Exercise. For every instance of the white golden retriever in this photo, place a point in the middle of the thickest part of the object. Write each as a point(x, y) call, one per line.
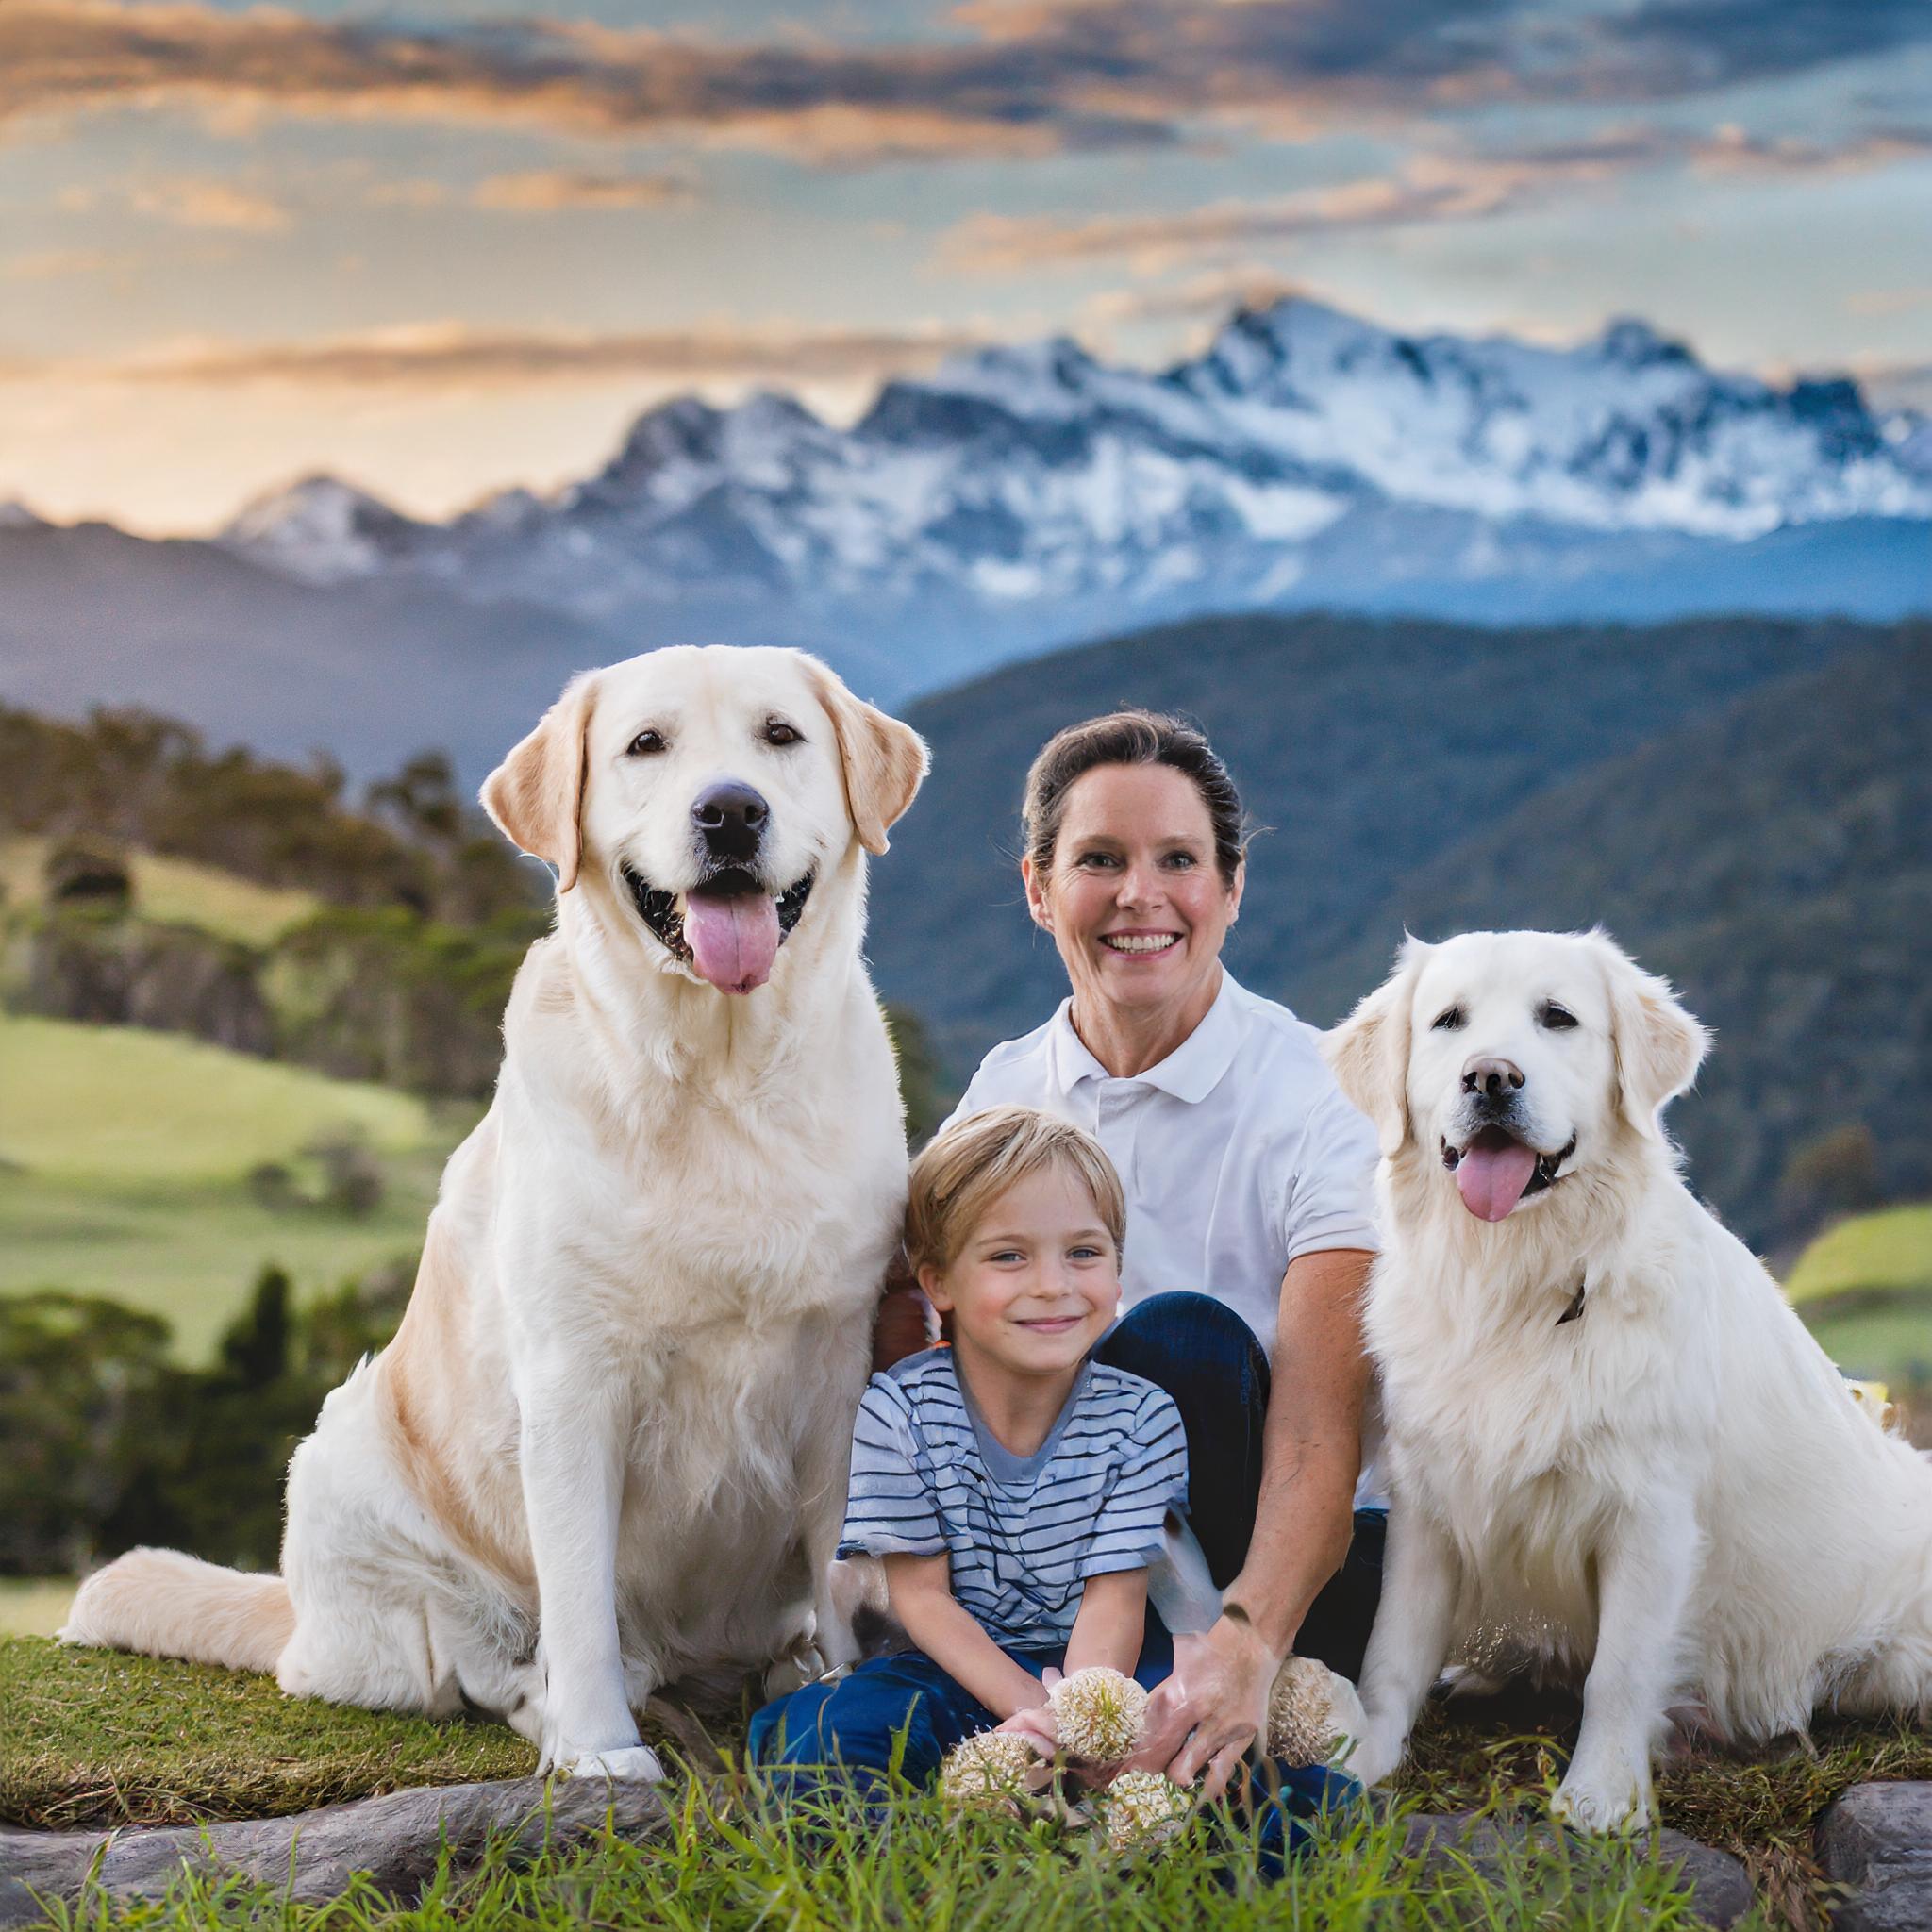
point(1607, 1432)
point(608, 1446)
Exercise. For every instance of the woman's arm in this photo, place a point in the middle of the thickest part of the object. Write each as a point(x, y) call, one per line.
point(922, 1599)
point(1111, 1624)
point(1210, 1710)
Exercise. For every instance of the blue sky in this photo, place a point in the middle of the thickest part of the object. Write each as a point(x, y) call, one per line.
point(452, 246)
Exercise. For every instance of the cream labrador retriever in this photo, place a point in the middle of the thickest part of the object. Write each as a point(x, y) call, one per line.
point(1608, 1434)
point(608, 1446)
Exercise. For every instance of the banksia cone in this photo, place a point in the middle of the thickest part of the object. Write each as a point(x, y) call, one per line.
point(1144, 1808)
point(1099, 1715)
point(987, 1772)
point(1311, 1712)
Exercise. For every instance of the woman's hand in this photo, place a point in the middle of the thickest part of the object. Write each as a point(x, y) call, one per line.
point(1212, 1707)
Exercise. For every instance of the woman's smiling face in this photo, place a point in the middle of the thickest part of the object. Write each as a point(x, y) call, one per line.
point(1136, 903)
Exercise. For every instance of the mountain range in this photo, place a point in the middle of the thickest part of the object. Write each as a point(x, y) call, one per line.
point(1017, 499)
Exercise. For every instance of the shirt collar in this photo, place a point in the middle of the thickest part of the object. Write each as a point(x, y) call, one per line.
point(1190, 1073)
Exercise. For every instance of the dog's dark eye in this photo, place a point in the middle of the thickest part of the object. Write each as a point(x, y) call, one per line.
point(645, 743)
point(778, 732)
point(1449, 1019)
point(1556, 1017)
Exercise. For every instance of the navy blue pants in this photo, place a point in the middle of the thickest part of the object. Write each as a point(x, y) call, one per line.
point(855, 1723)
point(1208, 1359)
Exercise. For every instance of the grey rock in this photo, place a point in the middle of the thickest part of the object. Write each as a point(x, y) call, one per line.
point(395, 1840)
point(1878, 1840)
point(1721, 1890)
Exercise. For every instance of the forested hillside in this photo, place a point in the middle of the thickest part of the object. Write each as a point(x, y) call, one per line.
point(1742, 804)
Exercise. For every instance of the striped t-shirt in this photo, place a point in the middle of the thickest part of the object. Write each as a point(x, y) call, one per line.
point(1023, 1533)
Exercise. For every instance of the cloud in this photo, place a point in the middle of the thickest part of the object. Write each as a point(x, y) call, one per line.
point(429, 356)
point(191, 202)
point(1432, 186)
point(1428, 188)
point(1020, 77)
point(1732, 151)
point(56, 264)
point(545, 190)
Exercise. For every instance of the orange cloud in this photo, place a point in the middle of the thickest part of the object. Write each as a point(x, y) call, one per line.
point(545, 190)
point(458, 354)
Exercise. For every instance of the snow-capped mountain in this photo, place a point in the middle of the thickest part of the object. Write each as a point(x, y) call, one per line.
point(1306, 456)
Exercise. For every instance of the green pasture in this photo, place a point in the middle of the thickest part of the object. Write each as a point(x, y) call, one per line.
point(176, 892)
point(1890, 1250)
point(33, 1605)
point(123, 1165)
point(1864, 1287)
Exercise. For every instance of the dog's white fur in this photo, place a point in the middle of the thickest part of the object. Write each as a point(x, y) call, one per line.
point(608, 1446)
point(1673, 1490)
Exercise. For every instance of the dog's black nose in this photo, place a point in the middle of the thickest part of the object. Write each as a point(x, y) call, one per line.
point(731, 817)
point(1494, 1079)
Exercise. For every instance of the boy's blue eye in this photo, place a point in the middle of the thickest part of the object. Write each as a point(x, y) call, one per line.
point(1008, 1254)
point(1084, 1253)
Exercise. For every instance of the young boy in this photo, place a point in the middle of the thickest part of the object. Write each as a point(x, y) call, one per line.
point(1015, 1491)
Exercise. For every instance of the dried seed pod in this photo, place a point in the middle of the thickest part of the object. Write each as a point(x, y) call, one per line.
point(1144, 1808)
point(1099, 1715)
point(987, 1772)
point(1311, 1713)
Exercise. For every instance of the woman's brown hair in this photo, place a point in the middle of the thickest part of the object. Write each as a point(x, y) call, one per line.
point(1129, 738)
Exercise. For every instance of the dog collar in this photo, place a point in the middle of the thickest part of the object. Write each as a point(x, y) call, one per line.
point(1574, 1310)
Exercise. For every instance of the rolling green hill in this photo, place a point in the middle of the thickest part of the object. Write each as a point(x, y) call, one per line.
point(1745, 805)
point(124, 1163)
point(176, 892)
point(1864, 1287)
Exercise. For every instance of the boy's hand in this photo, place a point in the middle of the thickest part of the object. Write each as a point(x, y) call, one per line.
point(1039, 1725)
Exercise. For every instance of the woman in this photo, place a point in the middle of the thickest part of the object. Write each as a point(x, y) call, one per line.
point(1247, 1181)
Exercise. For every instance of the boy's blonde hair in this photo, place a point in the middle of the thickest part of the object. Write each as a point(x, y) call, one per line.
point(968, 1167)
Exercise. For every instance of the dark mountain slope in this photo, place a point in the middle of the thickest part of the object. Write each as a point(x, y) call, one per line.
point(1564, 772)
point(1775, 860)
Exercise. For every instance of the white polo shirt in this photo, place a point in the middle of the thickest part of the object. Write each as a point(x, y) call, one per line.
point(1237, 1152)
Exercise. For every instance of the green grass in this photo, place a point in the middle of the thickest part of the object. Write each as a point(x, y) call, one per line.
point(91, 1738)
point(122, 1163)
point(176, 891)
point(731, 1859)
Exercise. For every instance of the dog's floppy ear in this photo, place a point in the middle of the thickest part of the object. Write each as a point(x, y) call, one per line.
point(1659, 1047)
point(1368, 1051)
point(537, 794)
point(883, 759)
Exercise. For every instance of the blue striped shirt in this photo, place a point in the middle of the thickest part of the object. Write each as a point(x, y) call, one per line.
point(1023, 1533)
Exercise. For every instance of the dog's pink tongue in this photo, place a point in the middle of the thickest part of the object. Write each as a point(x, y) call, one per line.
point(733, 942)
point(1492, 1174)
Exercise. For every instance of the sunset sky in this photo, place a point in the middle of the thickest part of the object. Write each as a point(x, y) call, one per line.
point(442, 248)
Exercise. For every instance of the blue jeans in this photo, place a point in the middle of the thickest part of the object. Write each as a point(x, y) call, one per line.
point(1208, 1359)
point(854, 1723)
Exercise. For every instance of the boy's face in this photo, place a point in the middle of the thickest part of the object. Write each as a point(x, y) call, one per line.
point(1036, 1282)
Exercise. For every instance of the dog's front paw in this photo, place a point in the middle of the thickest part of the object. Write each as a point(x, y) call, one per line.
point(1375, 1754)
point(1617, 1804)
point(633, 1763)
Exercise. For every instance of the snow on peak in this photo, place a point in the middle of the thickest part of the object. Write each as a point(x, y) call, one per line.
point(1036, 469)
point(320, 529)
